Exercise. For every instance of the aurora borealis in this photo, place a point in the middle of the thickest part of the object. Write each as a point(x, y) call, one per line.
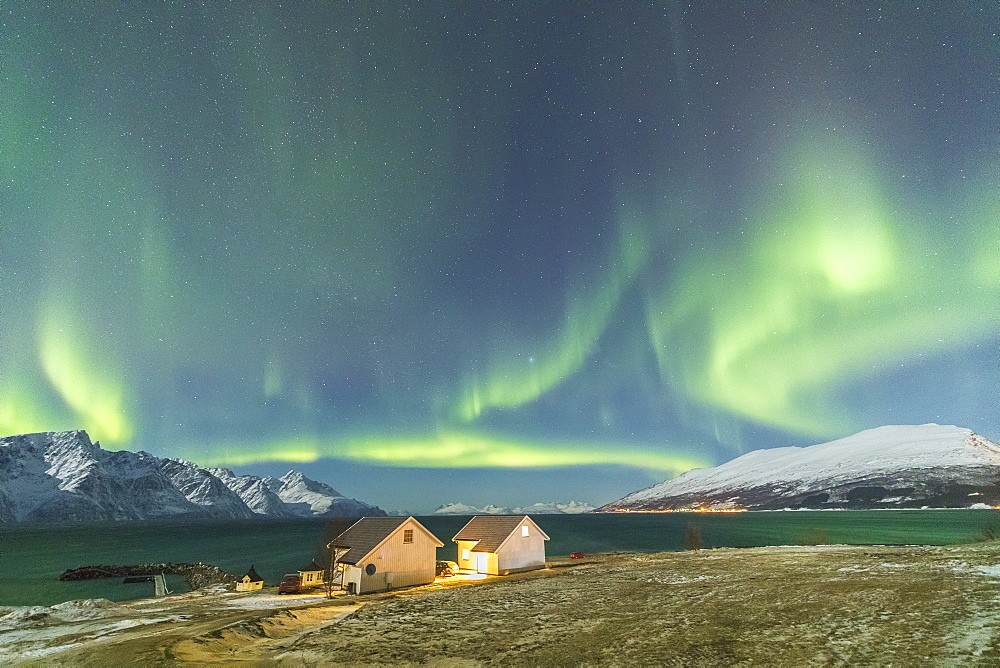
point(506, 253)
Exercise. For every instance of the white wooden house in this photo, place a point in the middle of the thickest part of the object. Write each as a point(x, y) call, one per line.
point(501, 544)
point(382, 553)
point(250, 582)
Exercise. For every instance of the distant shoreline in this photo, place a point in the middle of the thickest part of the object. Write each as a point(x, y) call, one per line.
point(174, 520)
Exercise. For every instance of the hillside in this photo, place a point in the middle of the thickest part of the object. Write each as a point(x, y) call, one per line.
point(889, 467)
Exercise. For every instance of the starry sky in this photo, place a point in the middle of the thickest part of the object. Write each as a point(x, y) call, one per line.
point(496, 252)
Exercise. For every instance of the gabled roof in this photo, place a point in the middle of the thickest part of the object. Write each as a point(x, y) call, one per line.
point(492, 531)
point(252, 576)
point(313, 566)
point(362, 537)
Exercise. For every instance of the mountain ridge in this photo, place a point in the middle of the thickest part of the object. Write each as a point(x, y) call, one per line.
point(65, 477)
point(895, 466)
point(571, 508)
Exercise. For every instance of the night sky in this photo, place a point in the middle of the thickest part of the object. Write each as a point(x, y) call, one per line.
point(496, 252)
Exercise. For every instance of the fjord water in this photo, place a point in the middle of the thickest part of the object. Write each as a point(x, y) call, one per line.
point(32, 557)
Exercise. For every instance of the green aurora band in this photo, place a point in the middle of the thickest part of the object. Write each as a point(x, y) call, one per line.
point(399, 243)
point(834, 282)
point(448, 450)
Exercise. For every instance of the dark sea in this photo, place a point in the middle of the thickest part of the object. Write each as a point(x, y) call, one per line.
point(32, 557)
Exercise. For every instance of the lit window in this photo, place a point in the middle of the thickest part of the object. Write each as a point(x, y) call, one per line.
point(407, 535)
point(524, 530)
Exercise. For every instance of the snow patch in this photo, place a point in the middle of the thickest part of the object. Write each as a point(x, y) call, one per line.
point(269, 601)
point(989, 571)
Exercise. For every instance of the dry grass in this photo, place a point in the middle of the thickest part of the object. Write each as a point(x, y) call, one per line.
point(792, 606)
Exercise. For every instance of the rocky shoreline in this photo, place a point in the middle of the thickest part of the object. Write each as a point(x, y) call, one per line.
point(197, 575)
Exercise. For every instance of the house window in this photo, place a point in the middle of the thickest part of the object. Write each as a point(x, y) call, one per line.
point(465, 555)
point(524, 530)
point(407, 535)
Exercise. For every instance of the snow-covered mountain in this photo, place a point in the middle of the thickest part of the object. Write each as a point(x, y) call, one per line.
point(205, 490)
point(255, 492)
point(64, 477)
point(571, 508)
point(293, 495)
point(309, 498)
point(888, 467)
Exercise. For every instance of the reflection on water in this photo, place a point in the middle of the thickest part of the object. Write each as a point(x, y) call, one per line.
point(33, 557)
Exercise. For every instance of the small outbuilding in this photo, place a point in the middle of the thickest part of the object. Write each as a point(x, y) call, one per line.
point(311, 575)
point(250, 582)
point(382, 553)
point(501, 544)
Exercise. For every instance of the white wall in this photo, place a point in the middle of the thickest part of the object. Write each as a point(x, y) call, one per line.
point(351, 574)
point(521, 553)
point(400, 564)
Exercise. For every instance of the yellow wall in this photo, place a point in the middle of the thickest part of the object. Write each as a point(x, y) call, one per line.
point(467, 564)
point(249, 586)
point(311, 578)
point(490, 559)
point(473, 563)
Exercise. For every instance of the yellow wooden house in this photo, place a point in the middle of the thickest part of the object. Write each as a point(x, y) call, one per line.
point(250, 582)
point(311, 575)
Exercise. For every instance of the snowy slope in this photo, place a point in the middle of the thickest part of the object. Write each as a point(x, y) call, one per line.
point(63, 476)
point(466, 509)
point(255, 493)
point(203, 489)
point(309, 498)
point(916, 465)
point(571, 508)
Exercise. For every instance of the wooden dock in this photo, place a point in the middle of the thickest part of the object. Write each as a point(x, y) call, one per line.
point(160, 585)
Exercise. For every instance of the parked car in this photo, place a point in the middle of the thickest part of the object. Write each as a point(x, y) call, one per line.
point(290, 583)
point(576, 555)
point(446, 568)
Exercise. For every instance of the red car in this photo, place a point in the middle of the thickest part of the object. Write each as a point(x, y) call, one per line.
point(291, 583)
point(576, 555)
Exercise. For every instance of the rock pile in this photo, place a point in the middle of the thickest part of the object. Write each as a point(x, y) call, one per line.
point(196, 575)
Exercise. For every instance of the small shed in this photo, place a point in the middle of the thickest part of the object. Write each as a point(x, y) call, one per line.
point(382, 553)
point(311, 575)
point(250, 582)
point(501, 544)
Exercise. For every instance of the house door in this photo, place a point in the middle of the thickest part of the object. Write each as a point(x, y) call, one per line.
point(482, 562)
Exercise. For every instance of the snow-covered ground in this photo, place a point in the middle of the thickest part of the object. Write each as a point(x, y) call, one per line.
point(273, 601)
point(34, 632)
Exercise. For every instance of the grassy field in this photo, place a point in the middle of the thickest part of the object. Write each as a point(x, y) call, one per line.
point(801, 606)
